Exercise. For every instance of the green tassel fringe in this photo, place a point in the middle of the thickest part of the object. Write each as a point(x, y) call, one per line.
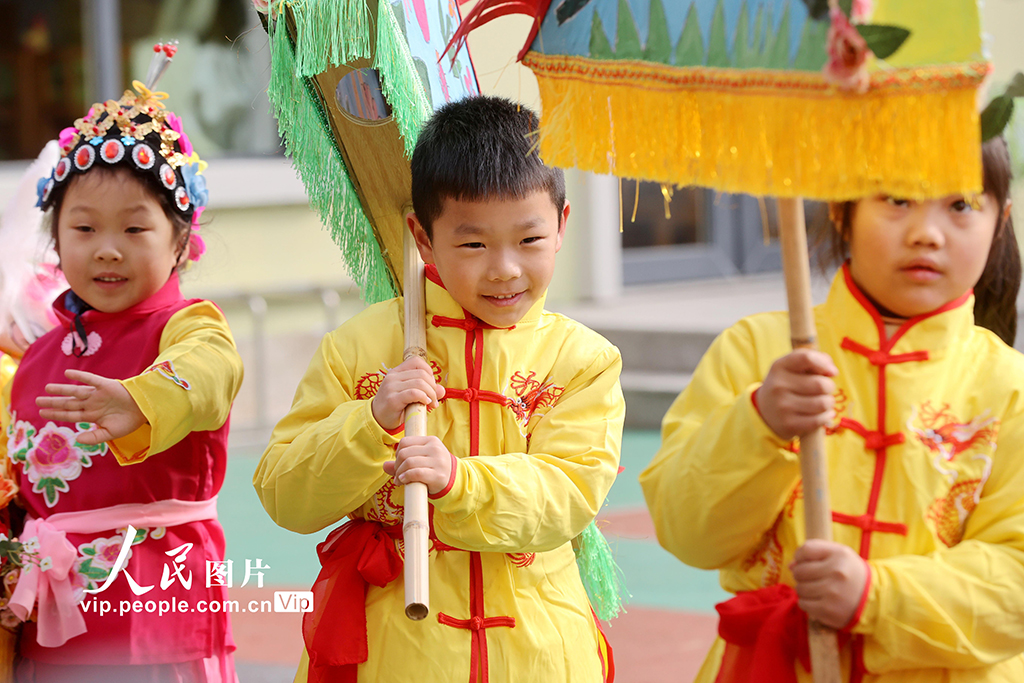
point(601, 576)
point(329, 33)
point(399, 80)
point(310, 143)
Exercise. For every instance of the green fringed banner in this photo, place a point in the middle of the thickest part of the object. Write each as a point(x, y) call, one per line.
point(329, 33)
point(309, 141)
point(398, 78)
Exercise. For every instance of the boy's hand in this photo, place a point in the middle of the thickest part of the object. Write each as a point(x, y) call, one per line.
point(830, 580)
point(796, 396)
point(101, 401)
point(410, 382)
point(422, 459)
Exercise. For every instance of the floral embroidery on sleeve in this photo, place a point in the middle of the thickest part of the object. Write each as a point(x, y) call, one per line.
point(166, 369)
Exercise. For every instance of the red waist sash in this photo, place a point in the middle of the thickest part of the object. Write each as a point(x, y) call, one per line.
point(765, 632)
point(352, 557)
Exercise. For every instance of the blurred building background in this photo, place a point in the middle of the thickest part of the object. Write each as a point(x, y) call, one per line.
point(684, 268)
point(274, 269)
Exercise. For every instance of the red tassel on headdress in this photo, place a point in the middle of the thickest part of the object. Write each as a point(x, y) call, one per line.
point(488, 10)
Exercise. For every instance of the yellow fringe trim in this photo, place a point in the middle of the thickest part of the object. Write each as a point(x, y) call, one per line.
point(914, 134)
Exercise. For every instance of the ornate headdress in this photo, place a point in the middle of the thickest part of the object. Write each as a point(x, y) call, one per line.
point(139, 132)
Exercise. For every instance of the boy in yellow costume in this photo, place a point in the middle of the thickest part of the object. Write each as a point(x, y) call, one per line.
point(925, 422)
point(526, 424)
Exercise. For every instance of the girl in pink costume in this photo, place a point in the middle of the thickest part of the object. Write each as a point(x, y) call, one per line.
point(118, 417)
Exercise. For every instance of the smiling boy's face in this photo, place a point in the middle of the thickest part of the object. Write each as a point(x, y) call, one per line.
point(495, 257)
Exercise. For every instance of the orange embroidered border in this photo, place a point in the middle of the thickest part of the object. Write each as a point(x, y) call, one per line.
point(646, 75)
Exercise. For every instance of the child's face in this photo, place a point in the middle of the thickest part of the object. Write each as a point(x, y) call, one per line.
point(116, 244)
point(912, 257)
point(496, 257)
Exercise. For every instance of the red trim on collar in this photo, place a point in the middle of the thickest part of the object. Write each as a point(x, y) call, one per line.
point(954, 304)
point(905, 327)
point(430, 270)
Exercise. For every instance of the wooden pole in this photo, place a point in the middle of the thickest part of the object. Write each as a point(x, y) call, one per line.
point(813, 467)
point(415, 525)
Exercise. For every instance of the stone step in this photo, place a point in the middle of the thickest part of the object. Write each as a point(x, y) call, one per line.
point(659, 351)
point(649, 394)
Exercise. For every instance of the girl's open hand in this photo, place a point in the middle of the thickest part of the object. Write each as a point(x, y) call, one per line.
point(422, 459)
point(410, 382)
point(830, 579)
point(103, 402)
point(796, 397)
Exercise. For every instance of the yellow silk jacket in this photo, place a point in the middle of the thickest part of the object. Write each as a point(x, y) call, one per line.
point(549, 429)
point(926, 467)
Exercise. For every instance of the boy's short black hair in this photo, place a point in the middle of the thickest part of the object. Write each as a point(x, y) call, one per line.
point(476, 149)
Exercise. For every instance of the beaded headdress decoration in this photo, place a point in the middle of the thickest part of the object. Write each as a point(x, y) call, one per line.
point(139, 132)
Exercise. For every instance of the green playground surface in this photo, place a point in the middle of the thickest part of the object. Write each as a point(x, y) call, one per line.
point(653, 577)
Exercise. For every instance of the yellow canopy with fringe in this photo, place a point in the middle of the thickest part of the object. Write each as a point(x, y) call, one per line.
point(744, 96)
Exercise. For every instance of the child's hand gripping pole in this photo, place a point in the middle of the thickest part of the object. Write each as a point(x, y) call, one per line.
point(813, 468)
point(415, 524)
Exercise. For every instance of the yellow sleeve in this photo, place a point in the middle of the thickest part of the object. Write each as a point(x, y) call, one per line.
point(959, 607)
point(9, 488)
point(189, 387)
point(7, 367)
point(721, 476)
point(540, 500)
point(325, 456)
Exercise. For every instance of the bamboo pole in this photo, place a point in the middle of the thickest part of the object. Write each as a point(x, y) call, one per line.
point(416, 524)
point(813, 467)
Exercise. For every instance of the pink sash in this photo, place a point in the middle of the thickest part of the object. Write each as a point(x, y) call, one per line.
point(49, 584)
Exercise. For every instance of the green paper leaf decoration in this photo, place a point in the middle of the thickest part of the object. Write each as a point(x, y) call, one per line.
point(818, 9)
point(627, 37)
point(718, 48)
point(1016, 86)
point(659, 45)
point(847, 7)
point(995, 117)
point(883, 40)
point(600, 48)
point(690, 48)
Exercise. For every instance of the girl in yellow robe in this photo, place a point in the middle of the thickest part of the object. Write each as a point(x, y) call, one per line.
point(924, 413)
